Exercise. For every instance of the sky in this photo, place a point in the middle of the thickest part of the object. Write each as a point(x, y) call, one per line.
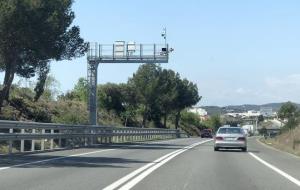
point(237, 52)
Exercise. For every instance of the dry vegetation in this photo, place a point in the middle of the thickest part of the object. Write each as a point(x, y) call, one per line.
point(288, 141)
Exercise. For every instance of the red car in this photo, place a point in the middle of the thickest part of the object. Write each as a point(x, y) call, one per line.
point(206, 133)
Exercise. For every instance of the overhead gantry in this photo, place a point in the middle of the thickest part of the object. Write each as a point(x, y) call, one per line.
point(119, 52)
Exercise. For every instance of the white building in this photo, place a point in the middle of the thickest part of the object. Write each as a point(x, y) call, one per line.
point(248, 128)
point(250, 113)
point(267, 112)
point(199, 111)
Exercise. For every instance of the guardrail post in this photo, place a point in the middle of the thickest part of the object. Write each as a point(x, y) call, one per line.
point(43, 141)
point(177, 133)
point(51, 140)
point(100, 138)
point(118, 139)
point(93, 138)
point(59, 140)
point(85, 143)
point(22, 141)
point(130, 137)
point(135, 136)
point(111, 135)
point(10, 143)
point(33, 142)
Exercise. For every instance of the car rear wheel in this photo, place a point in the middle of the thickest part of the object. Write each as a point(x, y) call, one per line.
point(216, 148)
point(244, 149)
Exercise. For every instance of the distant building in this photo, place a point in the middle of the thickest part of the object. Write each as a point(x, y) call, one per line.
point(250, 113)
point(267, 111)
point(248, 128)
point(233, 114)
point(199, 111)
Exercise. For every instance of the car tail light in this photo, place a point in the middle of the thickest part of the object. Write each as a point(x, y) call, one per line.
point(241, 139)
point(219, 138)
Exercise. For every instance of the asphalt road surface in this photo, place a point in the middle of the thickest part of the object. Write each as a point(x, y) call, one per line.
point(173, 164)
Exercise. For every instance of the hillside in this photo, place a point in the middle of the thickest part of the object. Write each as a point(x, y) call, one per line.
point(216, 110)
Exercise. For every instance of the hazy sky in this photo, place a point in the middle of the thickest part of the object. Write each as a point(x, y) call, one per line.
point(238, 52)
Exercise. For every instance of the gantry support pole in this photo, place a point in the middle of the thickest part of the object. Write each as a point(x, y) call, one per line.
point(92, 81)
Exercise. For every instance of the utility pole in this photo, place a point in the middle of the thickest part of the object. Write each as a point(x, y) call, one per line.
point(256, 125)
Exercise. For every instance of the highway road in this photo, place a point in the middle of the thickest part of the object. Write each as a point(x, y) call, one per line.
point(173, 164)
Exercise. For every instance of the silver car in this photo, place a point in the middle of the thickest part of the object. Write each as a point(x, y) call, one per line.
point(230, 137)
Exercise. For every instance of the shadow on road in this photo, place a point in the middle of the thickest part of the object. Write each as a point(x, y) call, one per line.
point(82, 161)
point(61, 161)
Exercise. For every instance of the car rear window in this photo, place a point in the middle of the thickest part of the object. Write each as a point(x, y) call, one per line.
point(230, 131)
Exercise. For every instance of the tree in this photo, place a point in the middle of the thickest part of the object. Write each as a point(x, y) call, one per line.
point(260, 118)
point(39, 88)
point(110, 97)
point(191, 119)
point(214, 122)
point(146, 84)
point(186, 96)
point(160, 92)
point(129, 102)
point(290, 112)
point(51, 88)
point(81, 90)
point(287, 111)
point(168, 93)
point(33, 32)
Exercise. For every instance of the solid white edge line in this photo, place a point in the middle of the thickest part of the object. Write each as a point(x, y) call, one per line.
point(287, 176)
point(141, 176)
point(134, 173)
point(147, 166)
point(51, 159)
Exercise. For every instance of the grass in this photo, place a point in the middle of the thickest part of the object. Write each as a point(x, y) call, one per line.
point(288, 141)
point(3, 149)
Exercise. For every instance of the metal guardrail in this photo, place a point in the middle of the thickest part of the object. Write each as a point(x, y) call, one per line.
point(32, 136)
